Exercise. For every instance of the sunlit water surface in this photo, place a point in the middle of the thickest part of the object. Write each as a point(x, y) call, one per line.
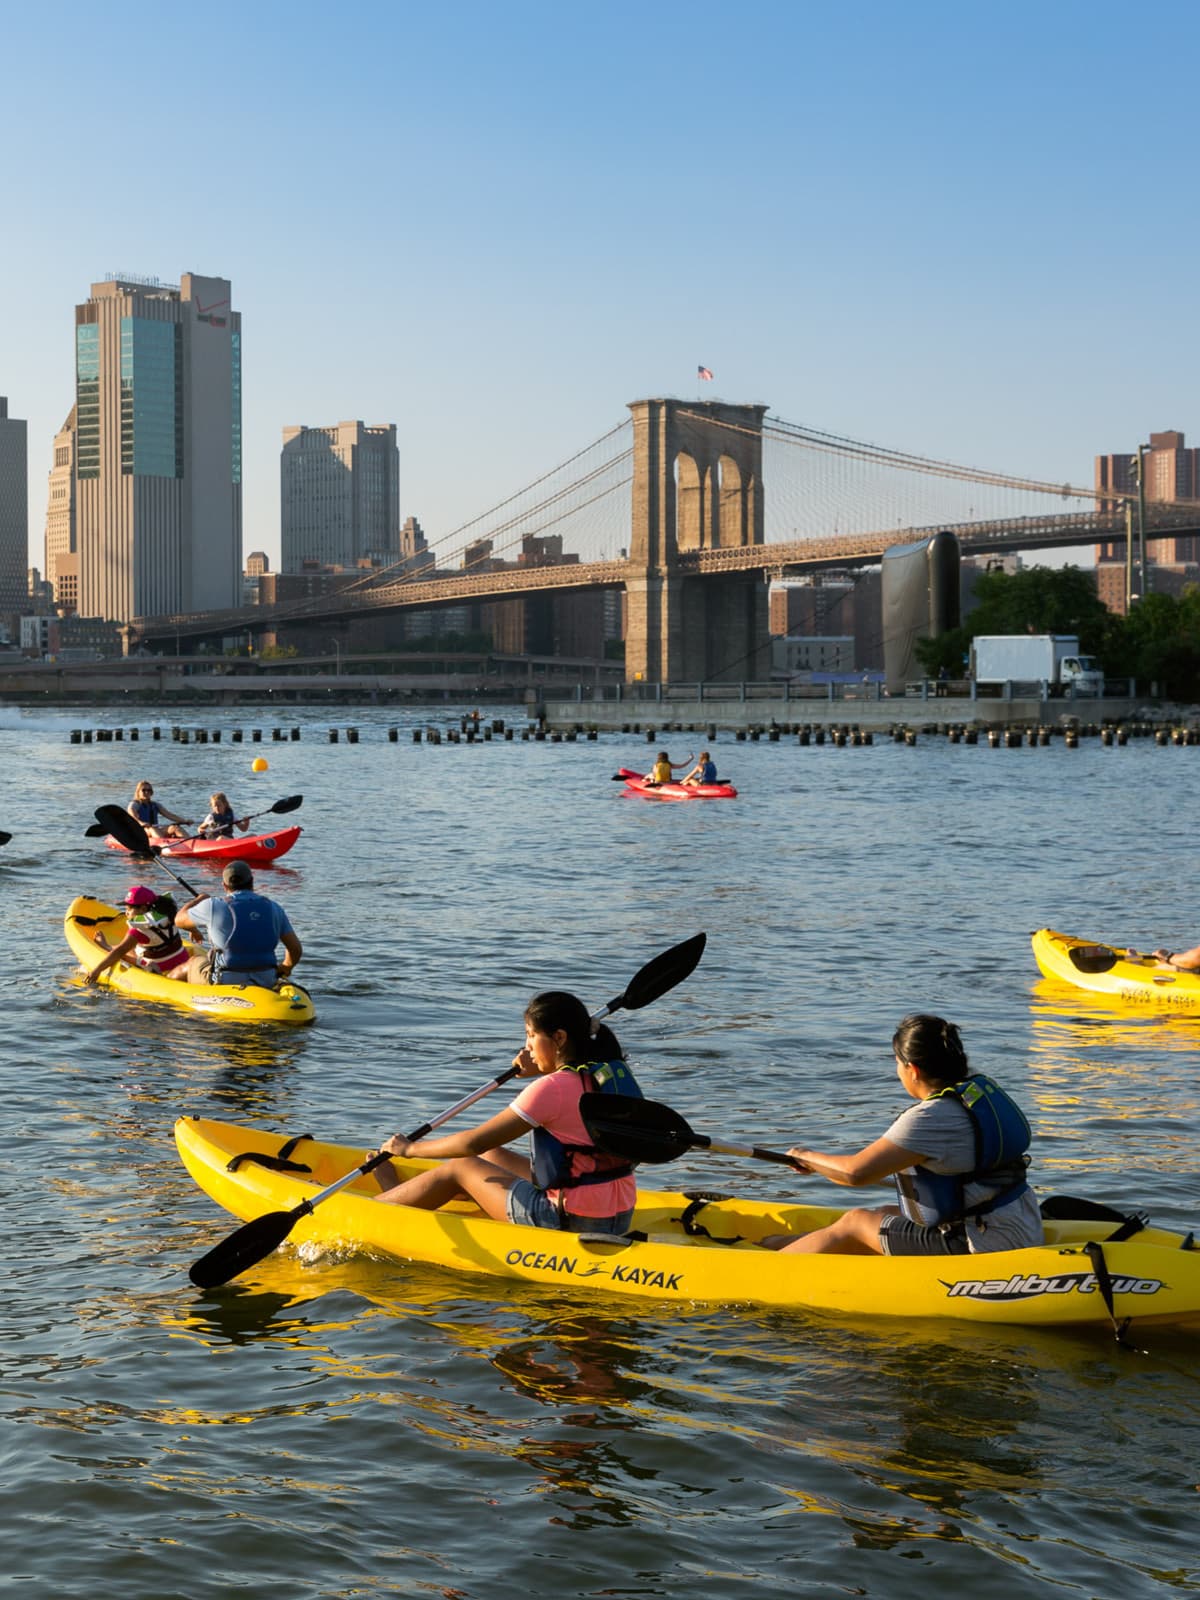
point(356, 1428)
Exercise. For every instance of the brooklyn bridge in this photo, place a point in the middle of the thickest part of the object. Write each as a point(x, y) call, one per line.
point(693, 508)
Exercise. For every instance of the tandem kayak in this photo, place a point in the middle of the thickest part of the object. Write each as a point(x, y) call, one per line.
point(699, 1248)
point(257, 848)
point(638, 783)
point(1108, 969)
point(229, 1002)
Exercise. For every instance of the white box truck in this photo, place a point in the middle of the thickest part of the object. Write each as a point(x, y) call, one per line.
point(1035, 658)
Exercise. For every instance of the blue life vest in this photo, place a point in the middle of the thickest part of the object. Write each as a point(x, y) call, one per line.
point(1002, 1136)
point(708, 772)
point(146, 811)
point(218, 824)
point(245, 931)
point(553, 1161)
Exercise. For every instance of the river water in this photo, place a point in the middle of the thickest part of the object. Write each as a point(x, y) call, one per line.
point(335, 1428)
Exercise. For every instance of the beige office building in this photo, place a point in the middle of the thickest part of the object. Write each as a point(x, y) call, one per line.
point(339, 496)
point(158, 448)
point(62, 548)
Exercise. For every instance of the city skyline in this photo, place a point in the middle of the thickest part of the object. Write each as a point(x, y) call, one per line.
point(897, 226)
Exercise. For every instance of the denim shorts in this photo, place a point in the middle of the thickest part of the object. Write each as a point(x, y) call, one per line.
point(529, 1207)
point(901, 1236)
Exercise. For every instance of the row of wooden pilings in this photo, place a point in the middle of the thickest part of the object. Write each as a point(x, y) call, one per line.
point(470, 731)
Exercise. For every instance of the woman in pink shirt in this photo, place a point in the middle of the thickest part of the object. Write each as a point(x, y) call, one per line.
point(568, 1184)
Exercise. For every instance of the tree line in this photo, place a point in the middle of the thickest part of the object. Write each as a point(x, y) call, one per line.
point(1157, 643)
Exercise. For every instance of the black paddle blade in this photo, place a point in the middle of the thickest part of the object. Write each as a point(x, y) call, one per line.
point(636, 1130)
point(661, 974)
point(250, 1243)
point(125, 829)
point(292, 803)
point(1065, 1208)
point(96, 831)
point(4, 837)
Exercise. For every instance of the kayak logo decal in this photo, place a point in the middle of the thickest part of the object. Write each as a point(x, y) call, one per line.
point(222, 1002)
point(1031, 1285)
point(642, 1277)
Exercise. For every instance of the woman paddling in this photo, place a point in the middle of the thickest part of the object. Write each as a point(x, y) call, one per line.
point(958, 1157)
point(568, 1184)
point(146, 809)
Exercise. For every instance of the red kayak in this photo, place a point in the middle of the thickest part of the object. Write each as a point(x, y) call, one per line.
point(638, 783)
point(258, 849)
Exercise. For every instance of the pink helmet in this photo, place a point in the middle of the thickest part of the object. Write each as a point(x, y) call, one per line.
point(139, 896)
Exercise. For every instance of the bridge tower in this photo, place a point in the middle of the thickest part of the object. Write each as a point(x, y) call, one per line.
point(697, 485)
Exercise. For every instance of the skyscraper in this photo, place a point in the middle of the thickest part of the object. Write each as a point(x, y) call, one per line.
point(62, 547)
point(1172, 472)
point(14, 517)
point(158, 447)
point(340, 495)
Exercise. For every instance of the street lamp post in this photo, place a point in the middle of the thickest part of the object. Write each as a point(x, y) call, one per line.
point(1141, 483)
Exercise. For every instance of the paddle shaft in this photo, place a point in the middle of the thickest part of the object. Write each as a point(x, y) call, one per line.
point(129, 831)
point(417, 1133)
point(753, 1151)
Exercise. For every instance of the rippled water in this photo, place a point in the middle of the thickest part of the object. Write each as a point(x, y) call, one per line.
point(352, 1428)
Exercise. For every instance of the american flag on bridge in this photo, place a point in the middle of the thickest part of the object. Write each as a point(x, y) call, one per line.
point(703, 372)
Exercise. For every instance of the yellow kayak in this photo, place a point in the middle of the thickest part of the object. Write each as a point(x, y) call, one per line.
point(229, 1002)
point(1107, 969)
point(699, 1249)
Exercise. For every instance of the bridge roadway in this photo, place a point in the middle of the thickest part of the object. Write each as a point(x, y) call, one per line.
point(796, 556)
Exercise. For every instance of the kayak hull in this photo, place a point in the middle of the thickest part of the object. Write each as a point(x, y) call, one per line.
point(637, 783)
point(227, 1002)
point(259, 849)
point(1107, 969)
point(1154, 1279)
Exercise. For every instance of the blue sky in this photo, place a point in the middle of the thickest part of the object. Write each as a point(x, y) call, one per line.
point(963, 230)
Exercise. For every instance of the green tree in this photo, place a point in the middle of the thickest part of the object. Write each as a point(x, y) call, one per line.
point(1037, 600)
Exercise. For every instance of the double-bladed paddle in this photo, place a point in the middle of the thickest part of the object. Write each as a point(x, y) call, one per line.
point(128, 831)
point(256, 1239)
point(648, 1131)
point(292, 803)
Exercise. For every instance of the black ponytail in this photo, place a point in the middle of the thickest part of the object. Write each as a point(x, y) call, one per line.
point(555, 1009)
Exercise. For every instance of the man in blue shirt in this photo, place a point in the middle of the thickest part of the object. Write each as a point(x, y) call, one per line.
point(243, 929)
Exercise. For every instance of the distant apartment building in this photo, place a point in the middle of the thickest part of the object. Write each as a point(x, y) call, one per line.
point(1172, 471)
point(831, 605)
point(62, 532)
point(339, 495)
point(14, 517)
point(158, 447)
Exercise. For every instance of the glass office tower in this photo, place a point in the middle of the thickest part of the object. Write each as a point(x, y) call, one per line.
point(158, 448)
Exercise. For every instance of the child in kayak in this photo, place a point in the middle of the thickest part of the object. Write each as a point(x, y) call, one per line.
point(569, 1184)
point(152, 940)
point(663, 767)
point(958, 1158)
point(705, 770)
point(220, 821)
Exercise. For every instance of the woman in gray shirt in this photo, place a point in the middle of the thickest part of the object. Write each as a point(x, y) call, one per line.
point(958, 1157)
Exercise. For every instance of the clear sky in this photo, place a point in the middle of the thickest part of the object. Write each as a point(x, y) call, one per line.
point(964, 230)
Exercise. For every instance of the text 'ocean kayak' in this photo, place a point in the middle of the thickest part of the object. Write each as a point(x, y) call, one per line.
point(1107, 969)
point(228, 1002)
point(699, 1249)
point(638, 783)
point(256, 848)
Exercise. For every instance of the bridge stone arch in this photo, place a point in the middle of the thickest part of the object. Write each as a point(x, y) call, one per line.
point(697, 485)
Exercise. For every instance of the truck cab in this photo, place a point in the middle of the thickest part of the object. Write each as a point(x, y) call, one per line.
point(1082, 674)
